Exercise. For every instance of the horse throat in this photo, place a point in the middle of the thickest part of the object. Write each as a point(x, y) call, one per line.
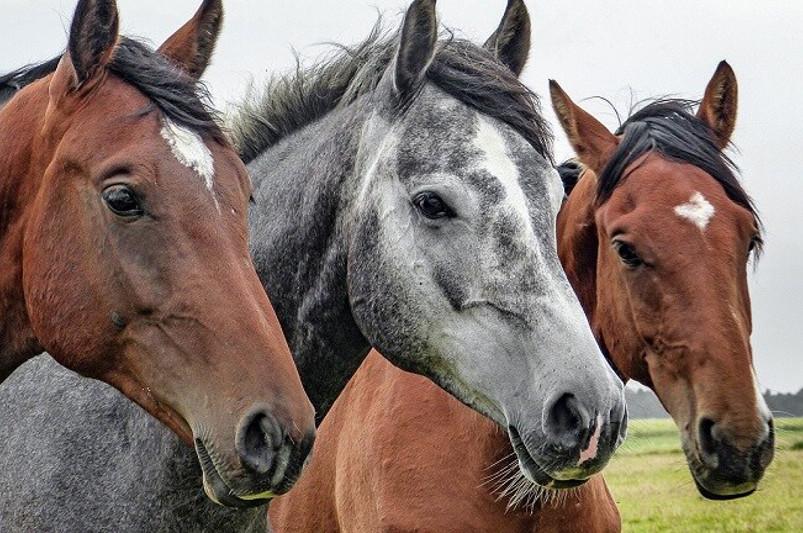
point(17, 190)
point(300, 241)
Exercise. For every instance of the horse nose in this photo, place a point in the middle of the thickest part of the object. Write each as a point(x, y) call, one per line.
point(567, 421)
point(719, 453)
point(258, 441)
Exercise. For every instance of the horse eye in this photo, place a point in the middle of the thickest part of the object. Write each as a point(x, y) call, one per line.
point(432, 206)
point(627, 254)
point(122, 201)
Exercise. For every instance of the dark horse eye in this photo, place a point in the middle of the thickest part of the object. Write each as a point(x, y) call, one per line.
point(627, 254)
point(431, 205)
point(122, 201)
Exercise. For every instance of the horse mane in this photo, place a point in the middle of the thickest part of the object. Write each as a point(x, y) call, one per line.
point(177, 95)
point(17, 79)
point(669, 127)
point(462, 69)
point(570, 172)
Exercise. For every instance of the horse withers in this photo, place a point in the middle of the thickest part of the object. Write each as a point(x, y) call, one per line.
point(656, 239)
point(124, 251)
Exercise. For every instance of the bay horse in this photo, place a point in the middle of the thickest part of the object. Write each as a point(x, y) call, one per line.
point(660, 241)
point(400, 186)
point(124, 252)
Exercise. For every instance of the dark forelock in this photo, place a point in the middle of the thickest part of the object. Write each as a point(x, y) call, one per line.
point(670, 128)
point(460, 68)
point(178, 96)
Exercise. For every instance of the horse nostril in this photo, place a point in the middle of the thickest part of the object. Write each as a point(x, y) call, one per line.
point(568, 421)
point(708, 443)
point(257, 441)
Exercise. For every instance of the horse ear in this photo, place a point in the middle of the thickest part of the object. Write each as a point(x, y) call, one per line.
point(592, 142)
point(417, 46)
point(192, 46)
point(510, 43)
point(93, 36)
point(718, 108)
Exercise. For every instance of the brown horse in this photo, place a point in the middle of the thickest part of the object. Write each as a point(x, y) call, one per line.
point(124, 251)
point(659, 242)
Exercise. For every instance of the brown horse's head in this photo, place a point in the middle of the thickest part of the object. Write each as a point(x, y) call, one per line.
point(128, 234)
point(656, 239)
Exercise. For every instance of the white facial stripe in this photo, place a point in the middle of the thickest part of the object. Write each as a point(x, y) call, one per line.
point(761, 404)
point(499, 164)
point(191, 151)
point(698, 211)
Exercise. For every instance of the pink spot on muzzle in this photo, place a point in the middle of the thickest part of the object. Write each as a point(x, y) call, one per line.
point(593, 445)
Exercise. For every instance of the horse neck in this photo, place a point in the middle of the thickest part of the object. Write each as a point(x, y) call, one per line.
point(577, 242)
point(578, 246)
point(305, 187)
point(20, 176)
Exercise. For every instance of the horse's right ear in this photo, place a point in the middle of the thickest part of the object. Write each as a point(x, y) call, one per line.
point(419, 36)
point(192, 45)
point(93, 36)
point(592, 142)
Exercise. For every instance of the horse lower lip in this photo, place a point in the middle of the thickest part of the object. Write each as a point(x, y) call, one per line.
point(720, 497)
point(530, 466)
point(215, 484)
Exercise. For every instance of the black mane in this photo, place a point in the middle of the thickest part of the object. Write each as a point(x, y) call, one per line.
point(17, 79)
point(462, 69)
point(670, 128)
point(180, 97)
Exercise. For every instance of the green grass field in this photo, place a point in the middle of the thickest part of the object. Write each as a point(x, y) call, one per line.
point(655, 492)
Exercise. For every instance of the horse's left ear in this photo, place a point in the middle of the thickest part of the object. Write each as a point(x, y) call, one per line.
point(718, 108)
point(93, 35)
point(419, 36)
point(191, 47)
point(510, 43)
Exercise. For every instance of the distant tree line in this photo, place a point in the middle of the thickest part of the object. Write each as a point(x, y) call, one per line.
point(642, 403)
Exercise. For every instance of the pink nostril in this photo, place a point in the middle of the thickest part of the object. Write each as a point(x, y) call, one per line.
point(593, 444)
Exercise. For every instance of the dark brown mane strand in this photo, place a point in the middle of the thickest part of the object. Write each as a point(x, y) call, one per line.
point(180, 97)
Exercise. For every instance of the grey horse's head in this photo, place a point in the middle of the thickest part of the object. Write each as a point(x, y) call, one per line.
point(453, 269)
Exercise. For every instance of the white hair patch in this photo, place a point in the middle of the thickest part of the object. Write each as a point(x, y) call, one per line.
point(190, 150)
point(697, 210)
point(500, 165)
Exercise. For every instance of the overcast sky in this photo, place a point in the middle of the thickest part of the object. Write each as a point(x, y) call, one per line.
point(614, 49)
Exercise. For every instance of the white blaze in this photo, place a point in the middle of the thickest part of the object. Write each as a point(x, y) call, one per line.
point(761, 404)
point(697, 210)
point(190, 150)
point(500, 165)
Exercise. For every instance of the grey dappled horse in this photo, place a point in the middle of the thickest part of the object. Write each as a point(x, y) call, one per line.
point(404, 200)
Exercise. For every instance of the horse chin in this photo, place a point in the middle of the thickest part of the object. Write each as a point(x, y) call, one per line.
point(729, 494)
point(711, 489)
point(533, 472)
point(722, 491)
point(216, 488)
